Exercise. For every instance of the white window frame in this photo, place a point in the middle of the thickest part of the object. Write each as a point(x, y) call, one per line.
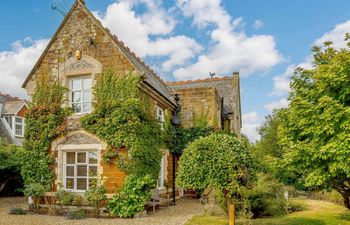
point(82, 91)
point(75, 165)
point(22, 124)
point(160, 115)
point(161, 177)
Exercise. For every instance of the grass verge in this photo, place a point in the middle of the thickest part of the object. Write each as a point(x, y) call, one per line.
point(316, 213)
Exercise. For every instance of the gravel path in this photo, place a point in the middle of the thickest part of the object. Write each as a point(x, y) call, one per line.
point(174, 215)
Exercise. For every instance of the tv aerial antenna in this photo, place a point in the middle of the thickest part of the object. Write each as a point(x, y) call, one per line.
point(61, 7)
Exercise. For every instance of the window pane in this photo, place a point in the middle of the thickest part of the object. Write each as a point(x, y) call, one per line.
point(92, 157)
point(81, 157)
point(75, 84)
point(76, 107)
point(87, 83)
point(19, 120)
point(70, 157)
point(19, 130)
point(70, 171)
point(87, 107)
point(92, 171)
point(81, 183)
point(76, 96)
point(82, 170)
point(87, 97)
point(9, 121)
point(70, 183)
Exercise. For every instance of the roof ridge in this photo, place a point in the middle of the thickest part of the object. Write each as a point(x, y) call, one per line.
point(12, 98)
point(197, 80)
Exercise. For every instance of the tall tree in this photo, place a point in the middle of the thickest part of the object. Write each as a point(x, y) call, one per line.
point(316, 126)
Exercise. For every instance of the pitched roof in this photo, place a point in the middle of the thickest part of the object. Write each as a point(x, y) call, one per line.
point(7, 97)
point(12, 107)
point(150, 76)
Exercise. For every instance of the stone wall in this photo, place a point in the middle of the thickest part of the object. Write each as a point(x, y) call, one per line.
point(226, 87)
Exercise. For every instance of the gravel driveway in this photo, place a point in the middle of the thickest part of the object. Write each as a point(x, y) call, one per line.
point(175, 215)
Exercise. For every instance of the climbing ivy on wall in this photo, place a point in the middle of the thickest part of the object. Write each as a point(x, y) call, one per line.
point(45, 120)
point(120, 119)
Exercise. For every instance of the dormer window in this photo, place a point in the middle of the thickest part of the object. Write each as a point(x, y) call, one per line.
point(81, 94)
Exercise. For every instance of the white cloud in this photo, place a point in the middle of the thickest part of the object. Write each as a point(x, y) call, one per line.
point(16, 64)
point(258, 24)
point(336, 35)
point(136, 31)
point(232, 49)
point(250, 126)
point(282, 103)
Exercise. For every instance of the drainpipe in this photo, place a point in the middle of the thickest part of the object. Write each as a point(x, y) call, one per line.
point(176, 123)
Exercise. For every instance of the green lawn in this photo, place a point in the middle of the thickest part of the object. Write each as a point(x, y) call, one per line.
point(317, 213)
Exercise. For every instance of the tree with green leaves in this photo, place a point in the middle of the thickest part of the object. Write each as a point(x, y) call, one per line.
point(316, 126)
point(220, 161)
point(10, 164)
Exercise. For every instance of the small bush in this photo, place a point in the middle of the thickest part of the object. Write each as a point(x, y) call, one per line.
point(331, 196)
point(76, 214)
point(95, 195)
point(64, 197)
point(294, 206)
point(78, 200)
point(132, 198)
point(17, 211)
point(267, 197)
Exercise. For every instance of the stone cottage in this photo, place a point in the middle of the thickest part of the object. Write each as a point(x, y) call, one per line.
point(78, 52)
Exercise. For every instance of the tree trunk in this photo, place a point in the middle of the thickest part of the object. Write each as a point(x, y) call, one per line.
point(3, 184)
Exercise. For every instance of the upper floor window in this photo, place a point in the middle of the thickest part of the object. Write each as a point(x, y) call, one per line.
point(16, 124)
point(19, 126)
point(160, 116)
point(80, 94)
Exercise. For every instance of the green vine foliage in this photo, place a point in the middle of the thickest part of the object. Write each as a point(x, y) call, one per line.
point(133, 196)
point(45, 120)
point(121, 120)
point(177, 138)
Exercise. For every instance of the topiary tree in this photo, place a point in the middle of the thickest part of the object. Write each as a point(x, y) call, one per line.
point(220, 161)
point(316, 126)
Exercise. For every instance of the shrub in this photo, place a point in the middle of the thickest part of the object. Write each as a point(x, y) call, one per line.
point(76, 214)
point(95, 195)
point(17, 211)
point(331, 196)
point(78, 200)
point(64, 197)
point(267, 197)
point(295, 206)
point(132, 198)
point(35, 191)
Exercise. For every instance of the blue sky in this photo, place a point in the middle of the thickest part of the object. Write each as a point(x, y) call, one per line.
point(185, 39)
